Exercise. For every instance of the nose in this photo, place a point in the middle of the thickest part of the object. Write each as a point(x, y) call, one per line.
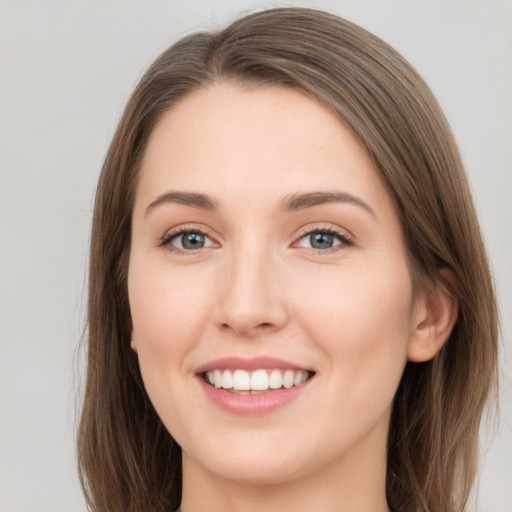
point(251, 299)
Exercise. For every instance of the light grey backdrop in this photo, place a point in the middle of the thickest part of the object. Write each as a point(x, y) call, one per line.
point(66, 70)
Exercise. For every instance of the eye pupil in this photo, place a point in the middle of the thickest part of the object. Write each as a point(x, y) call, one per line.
point(192, 240)
point(321, 240)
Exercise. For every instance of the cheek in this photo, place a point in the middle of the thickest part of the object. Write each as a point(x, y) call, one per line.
point(361, 323)
point(168, 309)
point(361, 317)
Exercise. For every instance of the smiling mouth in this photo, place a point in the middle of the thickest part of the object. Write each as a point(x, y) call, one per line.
point(257, 381)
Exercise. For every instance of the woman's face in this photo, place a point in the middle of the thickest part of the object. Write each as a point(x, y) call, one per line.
point(266, 251)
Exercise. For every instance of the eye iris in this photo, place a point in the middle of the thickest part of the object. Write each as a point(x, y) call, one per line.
point(192, 240)
point(321, 240)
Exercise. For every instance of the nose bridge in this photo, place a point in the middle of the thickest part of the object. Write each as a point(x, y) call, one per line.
point(251, 299)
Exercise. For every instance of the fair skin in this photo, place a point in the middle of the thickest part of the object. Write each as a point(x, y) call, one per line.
point(319, 284)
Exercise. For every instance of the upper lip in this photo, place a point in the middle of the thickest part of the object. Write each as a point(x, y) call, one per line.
point(248, 364)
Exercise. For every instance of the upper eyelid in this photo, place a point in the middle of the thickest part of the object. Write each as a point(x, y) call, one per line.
point(327, 227)
point(167, 239)
point(186, 228)
point(301, 233)
point(343, 239)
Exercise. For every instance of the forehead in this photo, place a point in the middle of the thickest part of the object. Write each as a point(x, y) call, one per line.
point(234, 142)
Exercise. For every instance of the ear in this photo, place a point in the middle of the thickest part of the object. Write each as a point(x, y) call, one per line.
point(133, 343)
point(433, 320)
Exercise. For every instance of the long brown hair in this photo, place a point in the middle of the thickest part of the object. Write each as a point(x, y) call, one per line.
point(127, 459)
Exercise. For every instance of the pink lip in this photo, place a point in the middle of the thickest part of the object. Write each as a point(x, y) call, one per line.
point(249, 405)
point(255, 363)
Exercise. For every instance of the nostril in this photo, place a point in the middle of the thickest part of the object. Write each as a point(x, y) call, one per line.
point(264, 326)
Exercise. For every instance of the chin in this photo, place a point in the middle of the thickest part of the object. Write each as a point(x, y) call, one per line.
point(261, 461)
point(257, 471)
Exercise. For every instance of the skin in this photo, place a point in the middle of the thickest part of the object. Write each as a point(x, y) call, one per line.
point(259, 289)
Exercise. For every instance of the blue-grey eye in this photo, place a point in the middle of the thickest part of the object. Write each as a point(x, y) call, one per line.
point(190, 241)
point(321, 240)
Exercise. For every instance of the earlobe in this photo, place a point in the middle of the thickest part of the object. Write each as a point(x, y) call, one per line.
point(133, 344)
point(434, 317)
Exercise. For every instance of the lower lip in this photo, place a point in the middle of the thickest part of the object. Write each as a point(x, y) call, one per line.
point(247, 404)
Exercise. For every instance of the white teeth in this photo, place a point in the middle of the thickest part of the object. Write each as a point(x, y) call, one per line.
point(300, 377)
point(217, 378)
point(258, 380)
point(288, 378)
point(227, 379)
point(241, 380)
point(275, 379)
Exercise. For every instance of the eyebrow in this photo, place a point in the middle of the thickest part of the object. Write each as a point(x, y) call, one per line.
point(193, 199)
point(290, 203)
point(301, 201)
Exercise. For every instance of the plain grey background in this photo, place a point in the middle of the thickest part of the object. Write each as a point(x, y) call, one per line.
point(66, 69)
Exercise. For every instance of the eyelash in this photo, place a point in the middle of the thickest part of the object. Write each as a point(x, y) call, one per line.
point(345, 240)
point(169, 237)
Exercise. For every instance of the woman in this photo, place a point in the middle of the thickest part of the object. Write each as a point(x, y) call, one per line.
point(290, 304)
